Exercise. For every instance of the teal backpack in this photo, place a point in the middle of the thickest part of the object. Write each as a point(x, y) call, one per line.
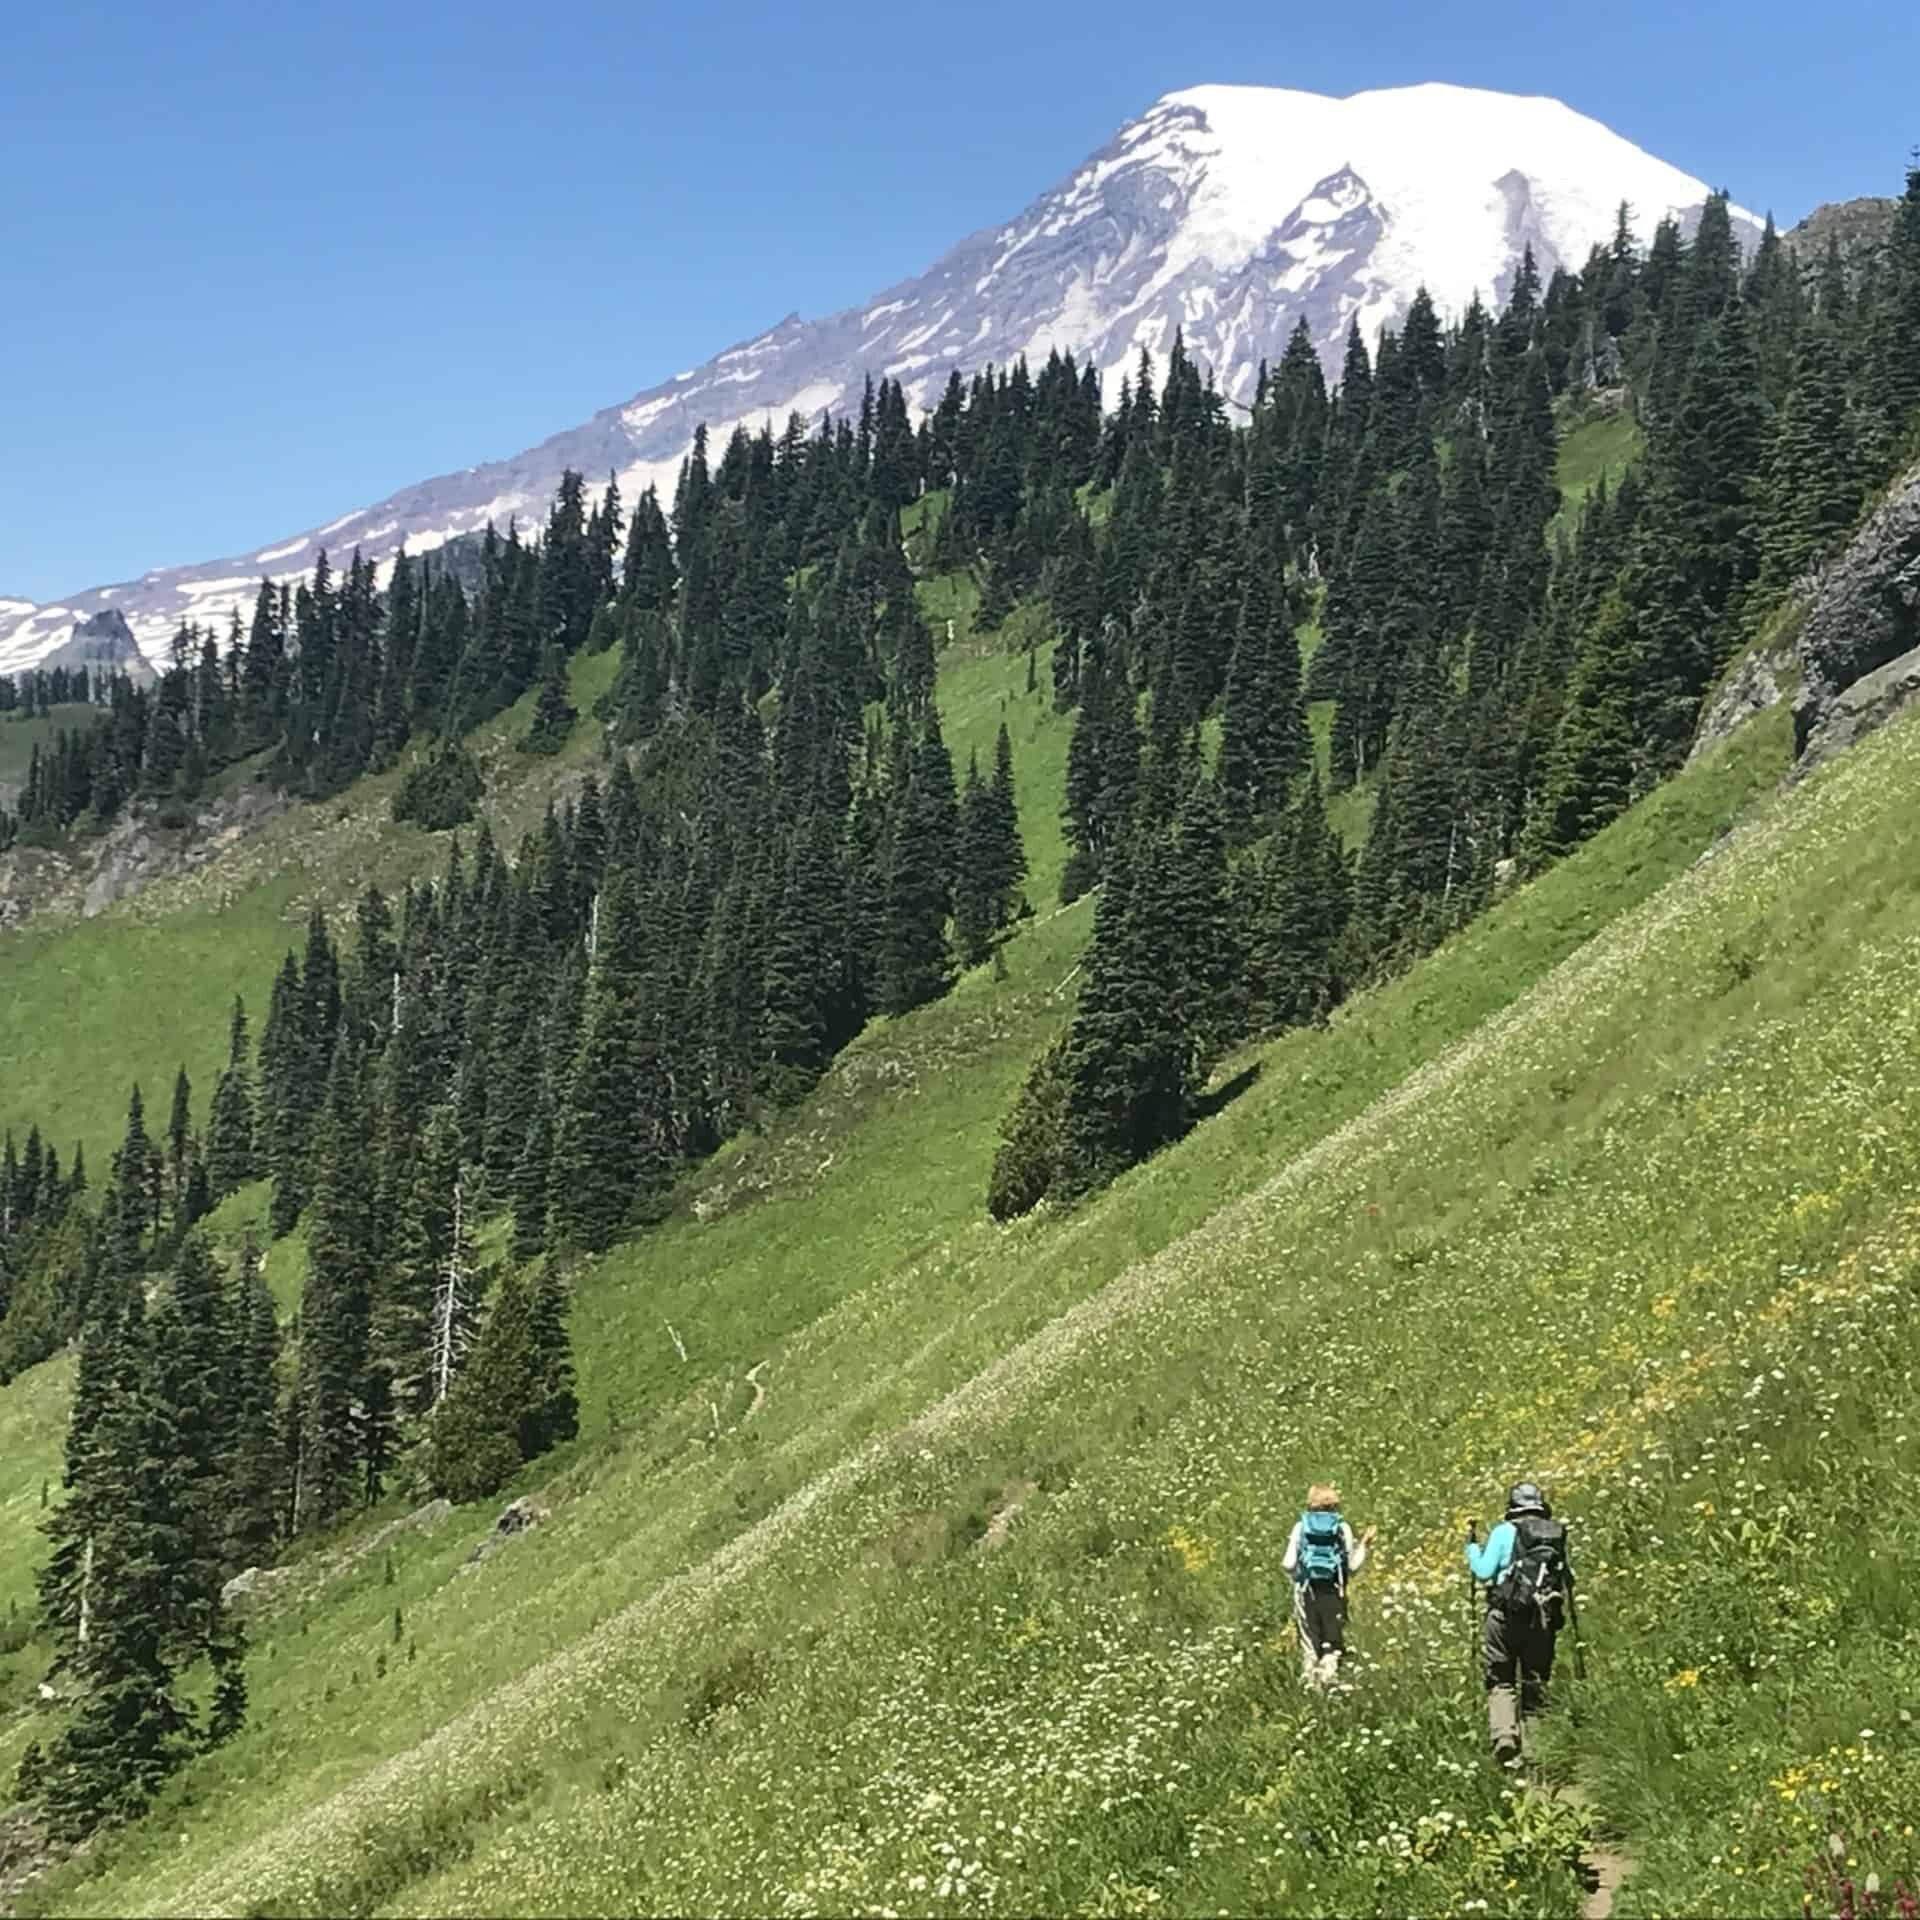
point(1322, 1559)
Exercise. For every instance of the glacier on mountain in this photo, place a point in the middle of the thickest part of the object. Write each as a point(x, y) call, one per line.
point(1227, 213)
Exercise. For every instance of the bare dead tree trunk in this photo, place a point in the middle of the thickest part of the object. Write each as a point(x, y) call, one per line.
point(86, 1592)
point(447, 1305)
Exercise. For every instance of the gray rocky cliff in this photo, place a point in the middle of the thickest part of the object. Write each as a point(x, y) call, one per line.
point(1859, 646)
point(85, 877)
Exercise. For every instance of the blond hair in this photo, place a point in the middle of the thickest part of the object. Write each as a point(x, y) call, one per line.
point(1323, 1498)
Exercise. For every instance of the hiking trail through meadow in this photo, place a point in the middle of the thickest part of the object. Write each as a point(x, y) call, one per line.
point(1602, 1868)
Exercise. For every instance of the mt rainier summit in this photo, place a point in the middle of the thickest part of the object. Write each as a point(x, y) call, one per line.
point(1227, 213)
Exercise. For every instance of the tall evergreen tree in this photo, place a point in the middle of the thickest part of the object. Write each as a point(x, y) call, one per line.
point(192, 1389)
point(608, 1157)
point(256, 1494)
point(515, 1398)
point(1007, 855)
point(974, 871)
point(337, 1439)
point(230, 1143)
point(129, 1729)
point(915, 960)
point(179, 1139)
point(553, 712)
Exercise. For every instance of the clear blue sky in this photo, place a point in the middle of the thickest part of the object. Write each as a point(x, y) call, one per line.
point(261, 264)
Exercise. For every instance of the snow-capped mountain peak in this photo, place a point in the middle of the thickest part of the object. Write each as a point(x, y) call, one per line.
point(1460, 178)
point(1227, 213)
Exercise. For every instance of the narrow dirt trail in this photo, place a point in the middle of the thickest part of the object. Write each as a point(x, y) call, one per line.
point(1607, 1870)
point(1602, 1868)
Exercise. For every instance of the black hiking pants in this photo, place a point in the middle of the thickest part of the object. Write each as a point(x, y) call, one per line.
point(1320, 1613)
point(1519, 1654)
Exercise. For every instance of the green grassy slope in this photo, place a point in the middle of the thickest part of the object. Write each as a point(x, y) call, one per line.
point(983, 685)
point(89, 1006)
point(758, 1657)
point(20, 734)
point(910, 1562)
point(1603, 447)
point(1349, 809)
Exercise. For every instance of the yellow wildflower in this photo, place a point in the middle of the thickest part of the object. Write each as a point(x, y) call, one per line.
point(1195, 1549)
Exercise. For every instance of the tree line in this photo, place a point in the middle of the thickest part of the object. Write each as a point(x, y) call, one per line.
point(33, 694)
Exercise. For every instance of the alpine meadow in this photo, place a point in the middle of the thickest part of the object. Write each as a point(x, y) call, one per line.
point(692, 1178)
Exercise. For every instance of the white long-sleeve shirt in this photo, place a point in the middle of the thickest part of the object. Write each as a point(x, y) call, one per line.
point(1356, 1550)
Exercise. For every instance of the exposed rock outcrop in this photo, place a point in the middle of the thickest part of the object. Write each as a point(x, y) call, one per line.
point(255, 1585)
point(1855, 711)
point(1860, 226)
point(518, 1517)
point(1757, 681)
point(88, 876)
point(104, 644)
point(27, 1852)
point(258, 1587)
point(1860, 646)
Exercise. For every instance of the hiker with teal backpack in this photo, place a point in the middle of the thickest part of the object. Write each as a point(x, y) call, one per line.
point(1529, 1582)
point(1322, 1555)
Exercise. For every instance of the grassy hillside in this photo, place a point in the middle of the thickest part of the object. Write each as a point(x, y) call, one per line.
point(908, 1562)
point(1601, 447)
point(89, 1006)
point(20, 734)
point(1349, 809)
point(765, 1563)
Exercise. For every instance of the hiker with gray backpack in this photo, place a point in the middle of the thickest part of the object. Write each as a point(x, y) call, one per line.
point(1529, 1582)
point(1322, 1555)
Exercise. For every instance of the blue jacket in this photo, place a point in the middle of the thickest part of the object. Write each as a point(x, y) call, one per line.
point(1489, 1560)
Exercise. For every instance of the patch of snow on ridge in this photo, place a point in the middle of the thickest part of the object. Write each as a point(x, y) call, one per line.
point(806, 403)
point(636, 417)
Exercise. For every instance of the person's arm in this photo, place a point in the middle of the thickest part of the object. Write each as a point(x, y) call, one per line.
point(1291, 1558)
point(1489, 1561)
point(1356, 1548)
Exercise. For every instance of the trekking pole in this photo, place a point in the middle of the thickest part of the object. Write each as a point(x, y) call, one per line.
point(1579, 1642)
point(1473, 1603)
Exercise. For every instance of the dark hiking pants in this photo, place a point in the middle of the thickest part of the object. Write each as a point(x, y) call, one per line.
point(1320, 1614)
point(1519, 1654)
